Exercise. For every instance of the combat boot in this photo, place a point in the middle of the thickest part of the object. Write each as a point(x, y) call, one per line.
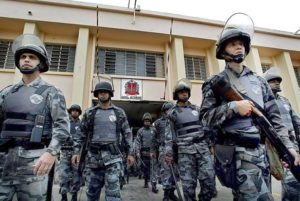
point(154, 188)
point(172, 196)
point(74, 197)
point(146, 184)
point(64, 197)
point(166, 195)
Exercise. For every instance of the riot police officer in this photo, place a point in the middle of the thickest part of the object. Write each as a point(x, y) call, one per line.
point(158, 146)
point(102, 128)
point(238, 141)
point(34, 124)
point(185, 131)
point(143, 145)
point(290, 186)
point(69, 178)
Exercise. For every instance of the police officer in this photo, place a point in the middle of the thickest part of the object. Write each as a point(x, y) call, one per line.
point(69, 178)
point(237, 133)
point(290, 186)
point(34, 124)
point(103, 127)
point(158, 146)
point(143, 145)
point(186, 133)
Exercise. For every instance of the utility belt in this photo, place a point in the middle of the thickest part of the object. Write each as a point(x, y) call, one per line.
point(243, 140)
point(6, 144)
point(96, 148)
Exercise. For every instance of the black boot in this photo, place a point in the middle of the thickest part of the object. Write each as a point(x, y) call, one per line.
point(64, 197)
point(146, 184)
point(166, 195)
point(172, 196)
point(74, 197)
point(154, 188)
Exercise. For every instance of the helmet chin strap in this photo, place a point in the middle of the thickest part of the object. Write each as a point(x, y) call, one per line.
point(239, 58)
point(30, 71)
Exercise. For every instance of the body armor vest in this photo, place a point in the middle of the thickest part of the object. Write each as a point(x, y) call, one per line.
point(146, 137)
point(74, 126)
point(187, 123)
point(25, 113)
point(105, 126)
point(160, 126)
point(285, 109)
point(252, 88)
point(247, 133)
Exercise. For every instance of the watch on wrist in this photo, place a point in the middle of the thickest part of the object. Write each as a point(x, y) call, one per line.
point(52, 152)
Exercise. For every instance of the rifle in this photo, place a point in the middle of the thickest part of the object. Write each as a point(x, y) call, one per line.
point(221, 86)
point(50, 183)
point(176, 184)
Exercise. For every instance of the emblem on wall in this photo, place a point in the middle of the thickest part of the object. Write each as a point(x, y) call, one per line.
point(131, 89)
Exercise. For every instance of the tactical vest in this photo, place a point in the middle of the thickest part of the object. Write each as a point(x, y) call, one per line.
point(285, 110)
point(249, 135)
point(160, 126)
point(26, 115)
point(105, 126)
point(187, 123)
point(74, 125)
point(250, 86)
point(146, 137)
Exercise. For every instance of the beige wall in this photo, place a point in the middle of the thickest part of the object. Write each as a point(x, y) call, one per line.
point(66, 22)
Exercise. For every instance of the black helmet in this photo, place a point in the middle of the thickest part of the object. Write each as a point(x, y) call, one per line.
point(75, 107)
point(180, 87)
point(272, 74)
point(103, 86)
point(147, 116)
point(30, 43)
point(230, 34)
point(166, 106)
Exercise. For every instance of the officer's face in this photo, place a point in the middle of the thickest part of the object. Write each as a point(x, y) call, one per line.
point(275, 85)
point(103, 96)
point(235, 47)
point(28, 61)
point(147, 122)
point(75, 114)
point(183, 95)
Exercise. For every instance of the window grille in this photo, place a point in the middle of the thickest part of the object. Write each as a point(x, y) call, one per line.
point(6, 55)
point(297, 73)
point(195, 68)
point(265, 67)
point(132, 63)
point(62, 58)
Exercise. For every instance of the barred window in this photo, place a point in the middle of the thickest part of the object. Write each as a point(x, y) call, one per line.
point(134, 63)
point(297, 73)
point(6, 55)
point(195, 68)
point(62, 58)
point(265, 67)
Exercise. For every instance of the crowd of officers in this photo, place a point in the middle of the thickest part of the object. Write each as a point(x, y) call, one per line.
point(183, 144)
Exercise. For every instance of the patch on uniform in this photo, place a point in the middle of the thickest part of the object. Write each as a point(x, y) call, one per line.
point(256, 89)
point(195, 113)
point(112, 118)
point(286, 106)
point(36, 99)
point(76, 127)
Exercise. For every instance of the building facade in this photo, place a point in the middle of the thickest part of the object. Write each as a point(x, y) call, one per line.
point(145, 53)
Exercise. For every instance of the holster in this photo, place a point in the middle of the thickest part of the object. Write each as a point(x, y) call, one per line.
point(225, 165)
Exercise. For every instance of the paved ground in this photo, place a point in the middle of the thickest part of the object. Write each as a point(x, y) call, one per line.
point(134, 191)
